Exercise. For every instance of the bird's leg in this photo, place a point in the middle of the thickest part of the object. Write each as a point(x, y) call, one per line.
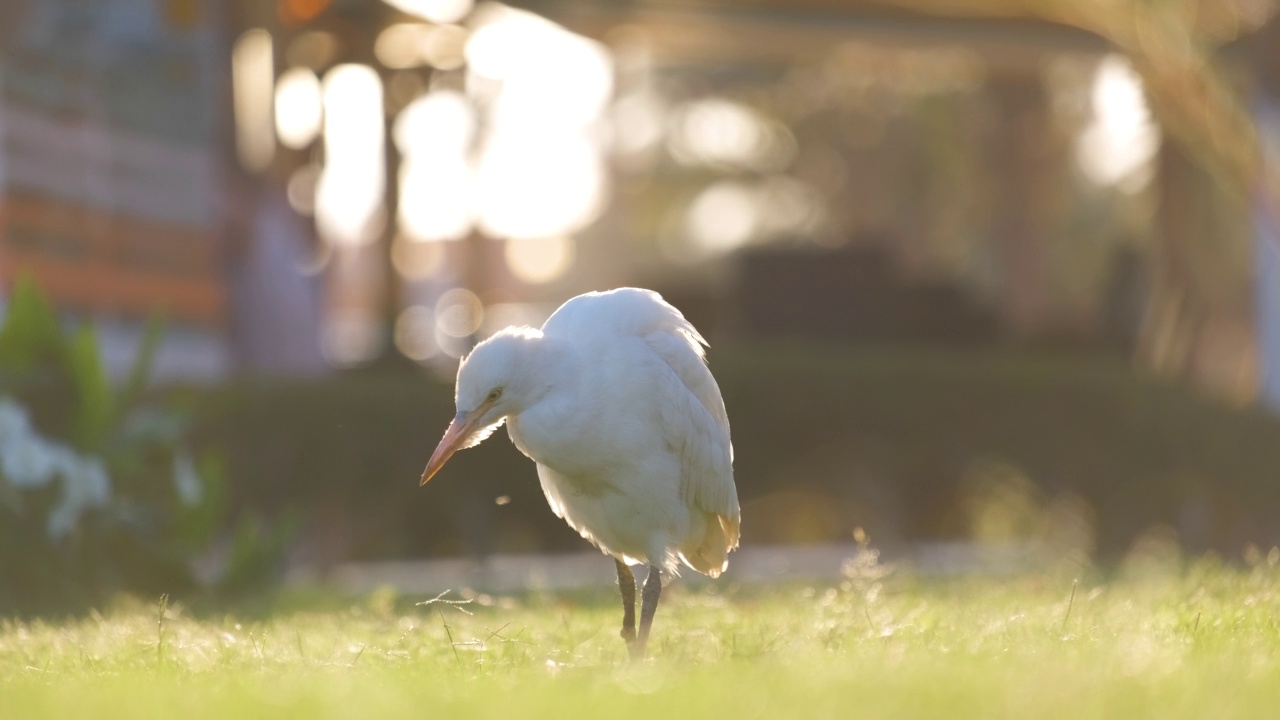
point(648, 606)
point(627, 586)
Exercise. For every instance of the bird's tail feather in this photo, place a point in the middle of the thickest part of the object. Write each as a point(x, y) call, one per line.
point(711, 555)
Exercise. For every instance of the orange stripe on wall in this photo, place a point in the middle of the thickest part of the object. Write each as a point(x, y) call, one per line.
point(96, 261)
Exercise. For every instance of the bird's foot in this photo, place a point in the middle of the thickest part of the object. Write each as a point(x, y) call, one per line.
point(635, 649)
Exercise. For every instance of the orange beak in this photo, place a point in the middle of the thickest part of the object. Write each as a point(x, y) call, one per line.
point(453, 439)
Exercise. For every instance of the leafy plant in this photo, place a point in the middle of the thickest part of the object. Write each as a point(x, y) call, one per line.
point(98, 490)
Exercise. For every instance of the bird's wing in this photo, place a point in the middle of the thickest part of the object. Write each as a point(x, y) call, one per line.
point(694, 423)
point(696, 427)
point(551, 484)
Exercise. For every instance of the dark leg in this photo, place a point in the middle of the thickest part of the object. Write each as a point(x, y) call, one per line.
point(627, 586)
point(648, 606)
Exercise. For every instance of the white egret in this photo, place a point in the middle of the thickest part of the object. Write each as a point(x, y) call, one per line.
point(613, 400)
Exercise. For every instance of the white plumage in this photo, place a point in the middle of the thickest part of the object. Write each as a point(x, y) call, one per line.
point(613, 400)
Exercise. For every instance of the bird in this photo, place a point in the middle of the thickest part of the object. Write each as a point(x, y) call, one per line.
point(613, 400)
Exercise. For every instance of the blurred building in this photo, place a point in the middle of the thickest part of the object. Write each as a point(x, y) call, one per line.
point(109, 170)
point(1012, 167)
point(305, 184)
point(113, 186)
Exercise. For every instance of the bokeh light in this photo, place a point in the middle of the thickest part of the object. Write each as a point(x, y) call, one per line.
point(416, 259)
point(533, 186)
point(433, 134)
point(788, 206)
point(434, 199)
point(540, 172)
point(299, 109)
point(301, 190)
point(400, 46)
point(438, 123)
point(549, 76)
point(415, 333)
point(637, 123)
point(539, 260)
point(439, 11)
point(411, 45)
point(252, 78)
point(722, 217)
point(349, 197)
point(721, 132)
point(501, 38)
point(443, 48)
point(1121, 140)
point(459, 313)
point(351, 338)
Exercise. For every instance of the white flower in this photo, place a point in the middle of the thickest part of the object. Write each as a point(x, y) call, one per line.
point(27, 461)
point(96, 484)
point(85, 482)
point(186, 481)
point(64, 458)
point(13, 419)
point(63, 518)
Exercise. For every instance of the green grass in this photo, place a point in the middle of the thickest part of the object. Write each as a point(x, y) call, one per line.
point(1202, 642)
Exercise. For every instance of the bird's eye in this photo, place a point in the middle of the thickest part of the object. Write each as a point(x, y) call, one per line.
point(497, 393)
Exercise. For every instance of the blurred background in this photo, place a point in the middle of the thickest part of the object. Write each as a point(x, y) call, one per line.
point(997, 274)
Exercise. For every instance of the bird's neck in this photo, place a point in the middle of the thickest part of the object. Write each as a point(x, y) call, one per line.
point(546, 371)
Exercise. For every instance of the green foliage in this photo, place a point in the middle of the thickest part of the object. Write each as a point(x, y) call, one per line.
point(94, 414)
point(30, 335)
point(1193, 644)
point(195, 523)
point(96, 492)
point(140, 373)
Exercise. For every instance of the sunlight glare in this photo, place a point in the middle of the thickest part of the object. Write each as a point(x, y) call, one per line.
point(542, 186)
point(539, 260)
point(787, 206)
point(1121, 140)
point(351, 338)
point(301, 188)
point(549, 75)
point(541, 92)
point(438, 123)
point(415, 333)
point(438, 11)
point(400, 46)
point(252, 79)
point(411, 45)
point(637, 122)
point(416, 259)
point(350, 191)
point(299, 109)
point(717, 131)
point(444, 47)
point(433, 135)
point(434, 199)
point(459, 313)
point(722, 217)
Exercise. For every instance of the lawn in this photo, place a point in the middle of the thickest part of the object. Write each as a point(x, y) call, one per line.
point(1199, 641)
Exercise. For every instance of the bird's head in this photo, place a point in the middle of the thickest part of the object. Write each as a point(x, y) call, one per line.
point(495, 381)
